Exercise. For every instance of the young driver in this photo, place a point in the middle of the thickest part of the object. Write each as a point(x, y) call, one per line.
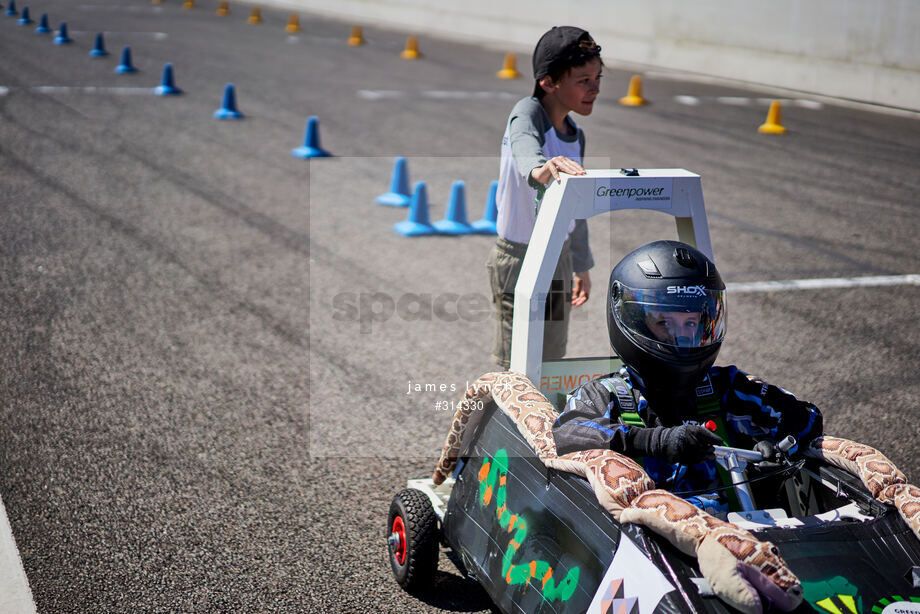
point(541, 141)
point(668, 404)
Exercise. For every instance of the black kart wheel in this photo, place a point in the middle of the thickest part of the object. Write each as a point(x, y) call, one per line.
point(412, 538)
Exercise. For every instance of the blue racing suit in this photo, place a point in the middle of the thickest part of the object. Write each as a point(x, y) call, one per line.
point(611, 412)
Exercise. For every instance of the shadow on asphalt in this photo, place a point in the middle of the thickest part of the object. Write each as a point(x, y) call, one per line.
point(454, 593)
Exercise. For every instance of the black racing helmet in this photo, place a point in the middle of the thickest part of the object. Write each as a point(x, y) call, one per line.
point(666, 316)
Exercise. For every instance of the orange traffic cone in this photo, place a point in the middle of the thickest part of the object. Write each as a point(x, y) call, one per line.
point(255, 16)
point(223, 9)
point(772, 125)
point(633, 97)
point(411, 51)
point(509, 68)
point(357, 37)
point(293, 24)
point(188, 4)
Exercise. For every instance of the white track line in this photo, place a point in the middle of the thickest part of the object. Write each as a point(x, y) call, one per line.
point(742, 101)
point(114, 7)
point(157, 36)
point(673, 75)
point(823, 284)
point(89, 89)
point(435, 95)
point(15, 595)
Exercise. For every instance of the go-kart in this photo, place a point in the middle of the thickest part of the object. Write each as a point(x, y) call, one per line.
point(834, 530)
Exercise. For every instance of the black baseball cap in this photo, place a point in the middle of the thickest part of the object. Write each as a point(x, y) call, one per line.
point(562, 47)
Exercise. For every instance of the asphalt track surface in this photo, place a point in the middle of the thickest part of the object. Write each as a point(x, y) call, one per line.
point(201, 412)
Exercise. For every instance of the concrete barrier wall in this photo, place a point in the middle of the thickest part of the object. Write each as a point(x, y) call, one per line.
point(865, 50)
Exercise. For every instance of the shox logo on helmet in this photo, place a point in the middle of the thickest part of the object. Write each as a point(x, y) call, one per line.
point(687, 290)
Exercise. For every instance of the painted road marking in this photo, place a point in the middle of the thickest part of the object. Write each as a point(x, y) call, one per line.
point(15, 594)
point(690, 101)
point(118, 7)
point(741, 101)
point(435, 95)
point(79, 89)
point(157, 36)
point(824, 283)
point(88, 89)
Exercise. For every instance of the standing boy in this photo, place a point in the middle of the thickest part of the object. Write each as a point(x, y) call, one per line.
point(541, 141)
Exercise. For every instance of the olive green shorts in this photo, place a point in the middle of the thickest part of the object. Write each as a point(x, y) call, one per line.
point(504, 267)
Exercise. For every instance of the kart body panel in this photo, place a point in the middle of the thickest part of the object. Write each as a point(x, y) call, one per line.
point(845, 566)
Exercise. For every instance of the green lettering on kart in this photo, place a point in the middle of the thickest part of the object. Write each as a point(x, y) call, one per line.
point(492, 482)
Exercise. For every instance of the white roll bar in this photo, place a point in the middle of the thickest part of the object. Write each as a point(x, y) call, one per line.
point(674, 191)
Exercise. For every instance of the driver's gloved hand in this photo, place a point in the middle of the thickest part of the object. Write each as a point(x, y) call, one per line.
point(687, 444)
point(767, 449)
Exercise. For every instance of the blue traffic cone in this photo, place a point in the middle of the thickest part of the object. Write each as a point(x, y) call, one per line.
point(486, 225)
point(125, 66)
point(167, 86)
point(62, 38)
point(43, 25)
point(228, 109)
point(417, 223)
point(98, 50)
point(455, 222)
point(11, 9)
point(398, 196)
point(311, 147)
point(25, 20)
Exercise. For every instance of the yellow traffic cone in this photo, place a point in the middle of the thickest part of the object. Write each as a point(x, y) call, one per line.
point(633, 97)
point(772, 125)
point(223, 9)
point(293, 24)
point(411, 51)
point(188, 4)
point(255, 16)
point(509, 68)
point(357, 37)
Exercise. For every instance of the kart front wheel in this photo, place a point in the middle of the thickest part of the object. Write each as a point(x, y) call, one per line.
point(412, 537)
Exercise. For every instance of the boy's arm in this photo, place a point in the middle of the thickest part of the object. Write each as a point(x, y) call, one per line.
point(591, 421)
point(587, 424)
point(527, 140)
point(765, 411)
point(582, 259)
point(551, 169)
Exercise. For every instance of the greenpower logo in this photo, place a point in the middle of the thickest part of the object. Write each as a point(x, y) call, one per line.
point(493, 477)
point(649, 193)
point(645, 193)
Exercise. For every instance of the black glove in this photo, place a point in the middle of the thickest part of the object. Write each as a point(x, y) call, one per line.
point(767, 449)
point(687, 444)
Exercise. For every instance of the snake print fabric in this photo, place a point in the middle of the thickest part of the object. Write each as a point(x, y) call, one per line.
point(884, 481)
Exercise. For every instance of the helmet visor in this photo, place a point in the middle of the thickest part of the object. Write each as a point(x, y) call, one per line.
point(681, 317)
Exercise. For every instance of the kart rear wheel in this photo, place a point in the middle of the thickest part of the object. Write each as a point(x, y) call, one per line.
point(412, 538)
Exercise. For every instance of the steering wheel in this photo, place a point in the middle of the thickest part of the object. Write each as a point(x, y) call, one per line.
point(736, 460)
